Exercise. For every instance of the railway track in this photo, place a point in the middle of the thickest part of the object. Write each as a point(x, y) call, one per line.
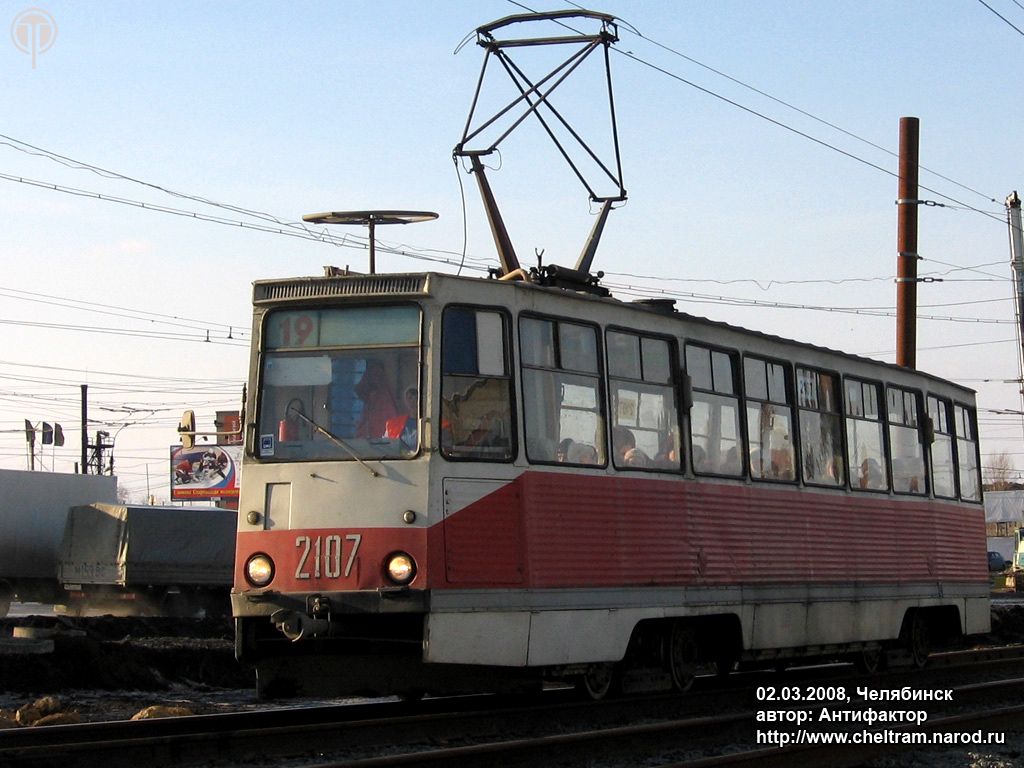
point(502, 731)
point(986, 720)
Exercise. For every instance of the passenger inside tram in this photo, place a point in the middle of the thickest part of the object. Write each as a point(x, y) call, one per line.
point(378, 403)
point(476, 421)
point(562, 452)
point(871, 475)
point(731, 462)
point(581, 453)
point(668, 456)
point(626, 452)
point(700, 459)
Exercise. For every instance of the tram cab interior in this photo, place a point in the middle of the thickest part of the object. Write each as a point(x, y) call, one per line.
point(350, 396)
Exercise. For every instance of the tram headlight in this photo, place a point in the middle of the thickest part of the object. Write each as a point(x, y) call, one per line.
point(401, 568)
point(259, 570)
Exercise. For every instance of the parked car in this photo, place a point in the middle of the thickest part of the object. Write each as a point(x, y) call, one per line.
point(996, 562)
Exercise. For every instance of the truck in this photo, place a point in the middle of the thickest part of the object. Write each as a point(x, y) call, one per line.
point(33, 509)
point(1017, 564)
point(147, 560)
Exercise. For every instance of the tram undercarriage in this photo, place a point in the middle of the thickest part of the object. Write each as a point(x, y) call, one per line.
point(380, 656)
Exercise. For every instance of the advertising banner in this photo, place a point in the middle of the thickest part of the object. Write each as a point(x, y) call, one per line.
point(205, 472)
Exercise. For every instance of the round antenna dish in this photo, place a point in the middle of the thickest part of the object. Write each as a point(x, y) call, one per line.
point(370, 219)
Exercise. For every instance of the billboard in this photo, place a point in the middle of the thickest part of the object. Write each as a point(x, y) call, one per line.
point(205, 472)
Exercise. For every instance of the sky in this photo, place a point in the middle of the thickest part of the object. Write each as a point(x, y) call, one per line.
point(757, 144)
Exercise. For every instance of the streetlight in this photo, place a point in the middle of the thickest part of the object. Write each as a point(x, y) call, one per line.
point(370, 219)
point(101, 443)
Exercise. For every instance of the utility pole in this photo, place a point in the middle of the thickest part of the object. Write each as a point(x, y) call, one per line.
point(906, 244)
point(85, 429)
point(1017, 265)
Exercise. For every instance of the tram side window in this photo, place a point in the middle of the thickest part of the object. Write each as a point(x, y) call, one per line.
point(476, 399)
point(821, 439)
point(769, 420)
point(943, 466)
point(715, 434)
point(865, 438)
point(561, 392)
point(908, 471)
point(645, 431)
point(967, 454)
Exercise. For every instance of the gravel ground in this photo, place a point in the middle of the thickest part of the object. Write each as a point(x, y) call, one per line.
point(1010, 755)
point(104, 668)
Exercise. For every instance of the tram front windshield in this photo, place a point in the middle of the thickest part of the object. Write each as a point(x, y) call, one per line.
point(340, 384)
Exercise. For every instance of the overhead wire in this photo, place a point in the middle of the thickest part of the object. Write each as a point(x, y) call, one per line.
point(766, 285)
point(628, 54)
point(1008, 22)
point(632, 29)
point(699, 298)
point(119, 374)
point(460, 264)
point(124, 332)
point(801, 111)
point(156, 207)
point(302, 228)
point(30, 149)
point(798, 132)
point(323, 237)
point(123, 312)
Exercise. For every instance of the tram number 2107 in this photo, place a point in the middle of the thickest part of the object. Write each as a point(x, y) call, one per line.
point(326, 556)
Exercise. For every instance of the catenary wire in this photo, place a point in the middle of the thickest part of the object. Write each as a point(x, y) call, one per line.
point(1006, 20)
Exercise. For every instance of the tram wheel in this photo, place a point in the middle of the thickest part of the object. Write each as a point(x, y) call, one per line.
point(682, 655)
point(597, 681)
point(917, 640)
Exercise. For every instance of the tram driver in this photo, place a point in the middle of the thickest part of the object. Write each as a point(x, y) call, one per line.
point(404, 427)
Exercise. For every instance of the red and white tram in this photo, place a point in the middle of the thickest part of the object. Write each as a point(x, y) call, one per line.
point(454, 483)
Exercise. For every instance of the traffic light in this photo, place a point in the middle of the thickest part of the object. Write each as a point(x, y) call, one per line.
point(187, 429)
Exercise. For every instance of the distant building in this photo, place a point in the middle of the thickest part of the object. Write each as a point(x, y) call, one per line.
point(1004, 514)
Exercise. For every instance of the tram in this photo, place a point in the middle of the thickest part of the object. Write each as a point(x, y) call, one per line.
point(456, 483)
point(450, 481)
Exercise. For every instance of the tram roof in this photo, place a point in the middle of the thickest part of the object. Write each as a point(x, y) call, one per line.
point(418, 284)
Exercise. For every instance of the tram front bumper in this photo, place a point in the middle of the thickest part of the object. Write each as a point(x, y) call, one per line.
point(386, 600)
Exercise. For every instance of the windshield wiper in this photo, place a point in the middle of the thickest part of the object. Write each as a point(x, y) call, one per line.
point(332, 437)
